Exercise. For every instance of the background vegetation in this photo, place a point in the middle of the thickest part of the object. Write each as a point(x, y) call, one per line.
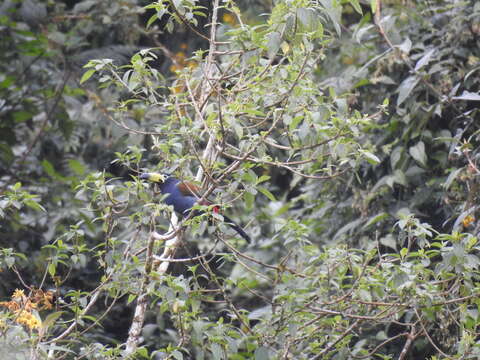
point(343, 135)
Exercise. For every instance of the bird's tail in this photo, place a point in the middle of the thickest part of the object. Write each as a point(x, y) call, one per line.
point(237, 228)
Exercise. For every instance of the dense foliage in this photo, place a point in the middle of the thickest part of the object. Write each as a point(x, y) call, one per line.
point(342, 134)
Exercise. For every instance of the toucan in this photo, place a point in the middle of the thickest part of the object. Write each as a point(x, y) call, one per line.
point(183, 195)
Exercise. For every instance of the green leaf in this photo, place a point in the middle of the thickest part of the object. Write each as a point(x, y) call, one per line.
point(77, 167)
point(9, 261)
point(307, 18)
point(249, 200)
point(21, 116)
point(152, 20)
point(267, 193)
point(261, 353)
point(131, 297)
point(406, 88)
point(263, 178)
point(169, 26)
point(143, 352)
point(418, 153)
point(451, 178)
point(273, 44)
point(356, 6)
point(34, 205)
point(7, 81)
point(399, 177)
point(49, 169)
point(217, 352)
point(177, 355)
point(6, 154)
point(467, 95)
point(389, 240)
point(334, 12)
point(295, 122)
point(376, 219)
point(424, 60)
point(51, 318)
point(52, 269)
point(406, 46)
point(371, 158)
point(87, 75)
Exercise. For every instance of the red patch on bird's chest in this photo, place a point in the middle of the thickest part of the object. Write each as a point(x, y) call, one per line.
point(216, 209)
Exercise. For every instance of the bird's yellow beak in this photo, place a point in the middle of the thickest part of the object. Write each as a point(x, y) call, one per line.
point(153, 177)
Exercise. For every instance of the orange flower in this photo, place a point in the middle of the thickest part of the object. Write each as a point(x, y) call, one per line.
point(468, 220)
point(18, 293)
point(28, 319)
point(23, 307)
